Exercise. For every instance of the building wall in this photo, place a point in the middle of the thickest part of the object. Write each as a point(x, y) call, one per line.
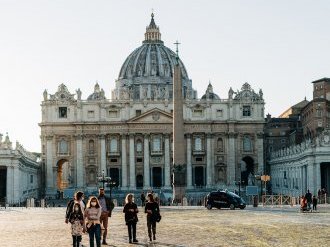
point(23, 173)
point(208, 119)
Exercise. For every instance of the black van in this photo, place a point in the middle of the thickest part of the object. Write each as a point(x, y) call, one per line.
point(224, 199)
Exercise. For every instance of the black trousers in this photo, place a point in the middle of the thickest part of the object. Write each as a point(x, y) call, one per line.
point(131, 227)
point(151, 226)
point(76, 240)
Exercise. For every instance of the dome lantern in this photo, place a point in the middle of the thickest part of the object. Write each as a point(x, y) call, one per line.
point(152, 34)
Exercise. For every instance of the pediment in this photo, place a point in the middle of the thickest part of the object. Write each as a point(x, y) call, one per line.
point(153, 116)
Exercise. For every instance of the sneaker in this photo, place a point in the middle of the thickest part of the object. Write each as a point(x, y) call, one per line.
point(104, 242)
point(135, 241)
point(150, 239)
point(130, 241)
point(154, 237)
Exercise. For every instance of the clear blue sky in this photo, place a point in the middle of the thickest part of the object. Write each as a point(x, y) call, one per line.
point(279, 46)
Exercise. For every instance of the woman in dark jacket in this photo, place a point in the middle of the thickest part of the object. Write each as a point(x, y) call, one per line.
point(152, 211)
point(131, 210)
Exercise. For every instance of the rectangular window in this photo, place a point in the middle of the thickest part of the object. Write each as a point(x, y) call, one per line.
point(219, 113)
point(199, 159)
point(138, 160)
point(31, 179)
point(113, 160)
point(90, 114)
point(246, 111)
point(138, 112)
point(113, 114)
point(197, 113)
point(62, 112)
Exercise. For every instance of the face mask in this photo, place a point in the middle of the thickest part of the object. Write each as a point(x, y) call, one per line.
point(93, 204)
point(76, 209)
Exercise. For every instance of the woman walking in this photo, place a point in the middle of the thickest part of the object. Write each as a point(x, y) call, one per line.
point(152, 211)
point(76, 218)
point(92, 216)
point(131, 210)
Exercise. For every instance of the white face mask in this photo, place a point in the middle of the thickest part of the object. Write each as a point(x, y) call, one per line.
point(93, 204)
point(76, 209)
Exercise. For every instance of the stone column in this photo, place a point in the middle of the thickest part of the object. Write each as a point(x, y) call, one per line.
point(260, 151)
point(231, 160)
point(123, 163)
point(103, 154)
point(49, 166)
point(318, 176)
point(80, 164)
point(209, 173)
point(16, 185)
point(132, 183)
point(189, 166)
point(10, 181)
point(146, 166)
point(167, 170)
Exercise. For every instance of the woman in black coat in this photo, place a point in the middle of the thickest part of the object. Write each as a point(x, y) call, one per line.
point(153, 216)
point(131, 210)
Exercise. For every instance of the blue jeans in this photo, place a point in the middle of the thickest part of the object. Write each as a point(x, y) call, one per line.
point(95, 230)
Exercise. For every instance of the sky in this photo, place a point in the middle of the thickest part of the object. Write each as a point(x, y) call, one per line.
point(278, 46)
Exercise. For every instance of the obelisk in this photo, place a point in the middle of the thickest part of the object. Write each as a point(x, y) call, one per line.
point(178, 129)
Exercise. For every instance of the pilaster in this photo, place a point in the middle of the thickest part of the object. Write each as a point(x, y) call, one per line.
point(123, 163)
point(146, 166)
point(167, 170)
point(132, 182)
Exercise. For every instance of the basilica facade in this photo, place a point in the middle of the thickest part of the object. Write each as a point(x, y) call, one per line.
point(130, 136)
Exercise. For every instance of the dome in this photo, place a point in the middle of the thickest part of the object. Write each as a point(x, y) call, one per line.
point(209, 93)
point(147, 72)
point(153, 58)
point(98, 93)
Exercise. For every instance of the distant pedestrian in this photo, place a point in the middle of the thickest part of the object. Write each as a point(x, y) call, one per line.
point(152, 211)
point(143, 199)
point(303, 203)
point(131, 218)
point(107, 207)
point(77, 198)
point(76, 218)
point(314, 201)
point(93, 224)
point(308, 197)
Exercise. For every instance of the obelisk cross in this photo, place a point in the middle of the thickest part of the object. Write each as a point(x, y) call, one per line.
point(177, 49)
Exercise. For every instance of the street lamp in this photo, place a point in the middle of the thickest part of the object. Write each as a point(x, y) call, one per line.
point(104, 179)
point(239, 183)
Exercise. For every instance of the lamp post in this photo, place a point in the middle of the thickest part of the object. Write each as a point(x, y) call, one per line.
point(104, 179)
point(239, 183)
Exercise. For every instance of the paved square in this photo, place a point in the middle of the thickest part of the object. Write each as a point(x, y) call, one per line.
point(180, 227)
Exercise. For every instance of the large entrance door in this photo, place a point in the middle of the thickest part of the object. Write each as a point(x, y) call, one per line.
point(247, 171)
point(157, 177)
point(3, 183)
point(325, 175)
point(139, 181)
point(199, 176)
point(64, 177)
point(114, 174)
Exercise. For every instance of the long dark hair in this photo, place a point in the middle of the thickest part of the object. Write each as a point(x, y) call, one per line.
point(151, 197)
point(77, 205)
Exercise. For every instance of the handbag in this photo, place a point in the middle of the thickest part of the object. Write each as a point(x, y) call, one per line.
point(89, 227)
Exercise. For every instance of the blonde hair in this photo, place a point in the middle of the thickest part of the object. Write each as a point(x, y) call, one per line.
point(93, 198)
point(129, 198)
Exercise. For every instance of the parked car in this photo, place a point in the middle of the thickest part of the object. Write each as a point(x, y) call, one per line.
point(224, 199)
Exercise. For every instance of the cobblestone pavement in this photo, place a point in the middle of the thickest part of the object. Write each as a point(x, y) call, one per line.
point(180, 227)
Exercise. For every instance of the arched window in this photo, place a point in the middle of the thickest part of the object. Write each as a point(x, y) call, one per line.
point(113, 145)
point(139, 146)
point(220, 144)
point(63, 147)
point(156, 144)
point(198, 144)
point(247, 145)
